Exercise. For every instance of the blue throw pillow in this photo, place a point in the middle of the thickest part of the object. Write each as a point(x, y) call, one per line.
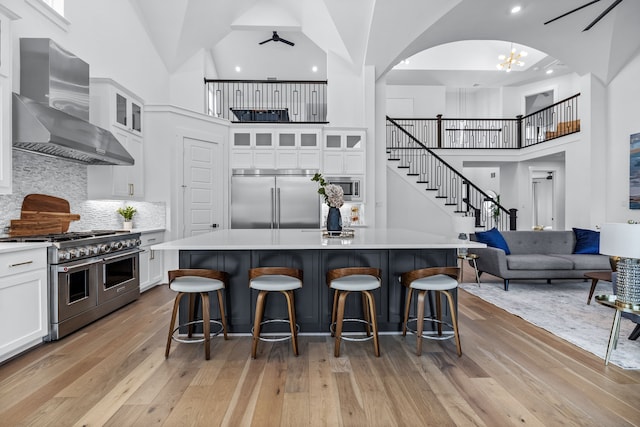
point(494, 239)
point(587, 241)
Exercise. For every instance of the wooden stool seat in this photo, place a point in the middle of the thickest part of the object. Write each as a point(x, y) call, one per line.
point(275, 279)
point(194, 282)
point(354, 279)
point(438, 279)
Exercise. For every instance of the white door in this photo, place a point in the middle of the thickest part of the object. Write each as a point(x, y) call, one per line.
point(202, 186)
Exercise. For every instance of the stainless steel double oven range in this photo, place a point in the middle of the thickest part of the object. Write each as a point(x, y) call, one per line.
point(91, 274)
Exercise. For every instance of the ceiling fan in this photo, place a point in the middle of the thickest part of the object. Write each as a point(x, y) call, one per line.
point(595, 21)
point(276, 38)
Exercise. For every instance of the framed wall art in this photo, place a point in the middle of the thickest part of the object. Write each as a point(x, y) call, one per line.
point(634, 172)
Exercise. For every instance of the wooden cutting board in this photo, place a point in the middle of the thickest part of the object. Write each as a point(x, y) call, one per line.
point(42, 207)
point(31, 227)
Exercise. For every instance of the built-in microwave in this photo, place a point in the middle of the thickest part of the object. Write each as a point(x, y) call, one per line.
point(352, 187)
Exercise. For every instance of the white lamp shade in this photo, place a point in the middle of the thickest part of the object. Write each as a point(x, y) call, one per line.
point(464, 224)
point(618, 239)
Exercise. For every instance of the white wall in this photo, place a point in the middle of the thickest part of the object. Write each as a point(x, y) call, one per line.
point(426, 101)
point(623, 113)
point(408, 208)
point(187, 89)
point(107, 35)
point(167, 125)
point(345, 93)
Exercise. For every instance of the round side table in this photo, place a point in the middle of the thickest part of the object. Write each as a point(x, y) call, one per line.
point(610, 301)
point(472, 259)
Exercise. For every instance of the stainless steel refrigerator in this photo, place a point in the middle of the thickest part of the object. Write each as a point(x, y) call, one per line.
point(269, 198)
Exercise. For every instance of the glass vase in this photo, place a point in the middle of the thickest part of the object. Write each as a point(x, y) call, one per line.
point(334, 220)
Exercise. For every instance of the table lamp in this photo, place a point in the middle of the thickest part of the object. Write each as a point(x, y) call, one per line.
point(463, 226)
point(623, 240)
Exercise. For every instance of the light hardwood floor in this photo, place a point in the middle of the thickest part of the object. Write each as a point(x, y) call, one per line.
point(113, 372)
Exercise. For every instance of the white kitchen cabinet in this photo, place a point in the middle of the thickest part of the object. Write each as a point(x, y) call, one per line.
point(24, 308)
point(344, 152)
point(151, 262)
point(267, 148)
point(119, 111)
point(6, 18)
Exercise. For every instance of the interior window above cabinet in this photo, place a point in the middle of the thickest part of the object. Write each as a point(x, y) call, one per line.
point(309, 140)
point(119, 111)
point(264, 139)
point(275, 148)
point(136, 117)
point(242, 139)
point(344, 152)
point(286, 140)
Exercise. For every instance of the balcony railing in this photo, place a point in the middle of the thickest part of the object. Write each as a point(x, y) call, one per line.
point(557, 120)
point(273, 101)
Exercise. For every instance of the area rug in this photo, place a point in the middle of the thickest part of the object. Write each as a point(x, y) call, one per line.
point(560, 308)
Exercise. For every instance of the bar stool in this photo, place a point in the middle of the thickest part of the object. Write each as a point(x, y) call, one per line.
point(354, 279)
point(438, 279)
point(275, 279)
point(192, 282)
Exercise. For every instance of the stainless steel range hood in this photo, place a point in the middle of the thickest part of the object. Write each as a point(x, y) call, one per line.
point(51, 115)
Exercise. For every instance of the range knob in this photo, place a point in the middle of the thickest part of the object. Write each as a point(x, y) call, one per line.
point(63, 255)
point(93, 249)
point(116, 245)
point(74, 253)
point(83, 251)
point(104, 248)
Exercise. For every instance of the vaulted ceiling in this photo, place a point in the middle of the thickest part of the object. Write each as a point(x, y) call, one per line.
point(380, 33)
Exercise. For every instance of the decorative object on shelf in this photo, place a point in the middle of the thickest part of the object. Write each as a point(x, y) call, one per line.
point(334, 198)
point(463, 226)
point(622, 240)
point(127, 213)
point(345, 233)
point(334, 219)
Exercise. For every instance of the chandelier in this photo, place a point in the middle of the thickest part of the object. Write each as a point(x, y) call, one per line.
point(512, 59)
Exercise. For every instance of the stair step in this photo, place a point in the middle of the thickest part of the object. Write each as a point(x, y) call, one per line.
point(422, 182)
point(450, 204)
point(413, 174)
point(431, 189)
point(403, 167)
point(460, 212)
point(394, 159)
point(441, 197)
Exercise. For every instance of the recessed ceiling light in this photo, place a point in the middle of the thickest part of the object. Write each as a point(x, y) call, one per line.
point(549, 71)
point(238, 69)
point(314, 69)
point(516, 9)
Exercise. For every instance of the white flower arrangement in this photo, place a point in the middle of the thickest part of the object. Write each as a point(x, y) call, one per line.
point(333, 194)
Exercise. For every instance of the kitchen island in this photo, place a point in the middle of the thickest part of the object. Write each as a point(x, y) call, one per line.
point(394, 251)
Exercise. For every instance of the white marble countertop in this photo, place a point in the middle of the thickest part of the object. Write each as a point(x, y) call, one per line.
point(365, 238)
point(15, 246)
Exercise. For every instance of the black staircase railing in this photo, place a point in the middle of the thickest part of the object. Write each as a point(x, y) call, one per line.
point(444, 181)
point(557, 120)
point(273, 101)
point(552, 122)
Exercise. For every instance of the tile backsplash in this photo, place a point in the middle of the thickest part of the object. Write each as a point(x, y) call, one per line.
point(34, 173)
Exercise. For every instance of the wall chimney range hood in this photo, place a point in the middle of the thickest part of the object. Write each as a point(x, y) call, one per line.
point(51, 114)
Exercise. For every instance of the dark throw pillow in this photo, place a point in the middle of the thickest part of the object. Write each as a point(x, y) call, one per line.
point(587, 241)
point(494, 239)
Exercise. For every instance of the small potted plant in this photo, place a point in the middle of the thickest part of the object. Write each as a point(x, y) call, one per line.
point(127, 213)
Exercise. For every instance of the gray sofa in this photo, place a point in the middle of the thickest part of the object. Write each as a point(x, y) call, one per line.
point(538, 255)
